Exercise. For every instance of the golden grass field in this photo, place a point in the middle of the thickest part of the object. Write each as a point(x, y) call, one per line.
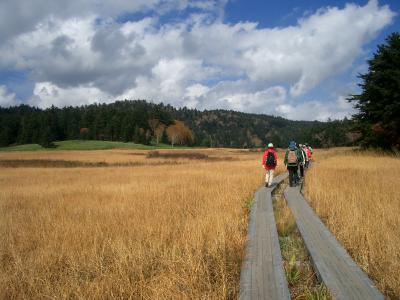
point(164, 228)
point(357, 194)
point(160, 227)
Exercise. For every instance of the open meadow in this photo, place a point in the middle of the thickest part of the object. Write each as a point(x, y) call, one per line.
point(130, 223)
point(357, 194)
point(124, 223)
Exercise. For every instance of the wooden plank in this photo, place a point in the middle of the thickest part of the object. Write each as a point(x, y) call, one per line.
point(262, 275)
point(332, 263)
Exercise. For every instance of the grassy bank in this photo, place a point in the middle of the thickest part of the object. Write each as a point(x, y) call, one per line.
point(87, 145)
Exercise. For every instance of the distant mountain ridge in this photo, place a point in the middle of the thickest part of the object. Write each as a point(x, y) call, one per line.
point(128, 120)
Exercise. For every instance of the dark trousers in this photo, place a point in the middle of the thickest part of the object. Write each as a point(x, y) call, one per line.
point(293, 177)
point(301, 167)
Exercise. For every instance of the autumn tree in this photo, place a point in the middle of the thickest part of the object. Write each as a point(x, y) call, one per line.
point(84, 132)
point(178, 133)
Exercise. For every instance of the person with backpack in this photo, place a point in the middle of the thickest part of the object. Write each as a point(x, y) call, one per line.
point(303, 159)
point(309, 147)
point(269, 161)
point(309, 153)
point(292, 159)
point(306, 160)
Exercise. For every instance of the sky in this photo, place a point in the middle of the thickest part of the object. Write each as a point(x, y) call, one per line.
point(295, 59)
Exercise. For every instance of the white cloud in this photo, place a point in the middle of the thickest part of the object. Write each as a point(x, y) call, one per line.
point(318, 110)
point(19, 16)
point(201, 62)
point(193, 93)
point(273, 101)
point(6, 98)
point(196, 90)
point(240, 96)
point(46, 94)
point(320, 46)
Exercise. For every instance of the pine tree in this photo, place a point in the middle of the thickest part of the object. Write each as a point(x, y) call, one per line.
point(379, 103)
point(5, 138)
point(46, 138)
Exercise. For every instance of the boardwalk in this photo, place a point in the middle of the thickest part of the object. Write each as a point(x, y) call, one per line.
point(332, 263)
point(262, 275)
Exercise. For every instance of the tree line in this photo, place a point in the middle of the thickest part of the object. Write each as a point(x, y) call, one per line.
point(128, 121)
point(142, 122)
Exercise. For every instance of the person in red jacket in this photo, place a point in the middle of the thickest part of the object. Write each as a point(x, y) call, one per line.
point(269, 161)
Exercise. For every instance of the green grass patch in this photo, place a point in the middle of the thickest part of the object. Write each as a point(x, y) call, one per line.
point(26, 147)
point(249, 204)
point(89, 145)
point(97, 145)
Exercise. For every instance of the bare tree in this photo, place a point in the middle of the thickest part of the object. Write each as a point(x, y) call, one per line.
point(159, 131)
point(173, 134)
point(153, 123)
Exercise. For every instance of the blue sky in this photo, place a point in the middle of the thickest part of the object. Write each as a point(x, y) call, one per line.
point(296, 59)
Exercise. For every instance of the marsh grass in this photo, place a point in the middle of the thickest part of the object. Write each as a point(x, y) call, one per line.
point(152, 231)
point(356, 193)
point(180, 154)
point(51, 163)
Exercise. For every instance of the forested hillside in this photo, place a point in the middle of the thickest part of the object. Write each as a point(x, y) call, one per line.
point(143, 122)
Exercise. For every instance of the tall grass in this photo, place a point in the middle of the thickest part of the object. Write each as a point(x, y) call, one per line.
point(151, 231)
point(357, 194)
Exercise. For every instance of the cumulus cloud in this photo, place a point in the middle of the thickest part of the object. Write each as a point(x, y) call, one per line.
point(78, 53)
point(317, 110)
point(18, 16)
point(46, 94)
point(7, 99)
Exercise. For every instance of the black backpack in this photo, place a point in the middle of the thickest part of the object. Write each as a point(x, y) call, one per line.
point(270, 160)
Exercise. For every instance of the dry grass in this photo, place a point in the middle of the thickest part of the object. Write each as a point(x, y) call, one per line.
point(150, 231)
point(357, 195)
point(177, 154)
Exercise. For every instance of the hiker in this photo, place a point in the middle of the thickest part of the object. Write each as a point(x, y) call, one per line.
point(269, 161)
point(292, 160)
point(306, 160)
point(311, 149)
point(303, 160)
point(309, 153)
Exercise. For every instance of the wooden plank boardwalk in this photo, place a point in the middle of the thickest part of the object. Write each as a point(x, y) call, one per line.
point(333, 264)
point(262, 275)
